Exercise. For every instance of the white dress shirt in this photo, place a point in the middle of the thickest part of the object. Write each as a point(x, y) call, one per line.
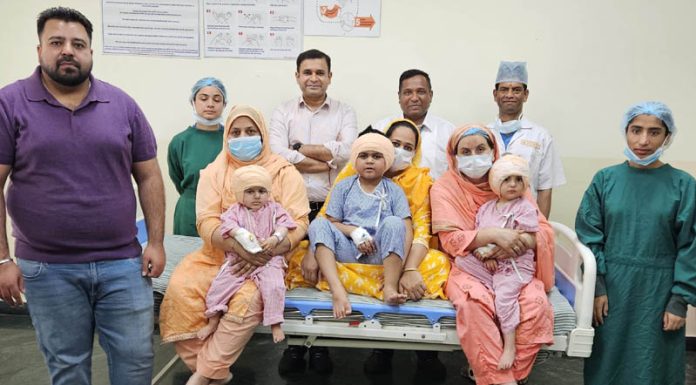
point(333, 125)
point(435, 133)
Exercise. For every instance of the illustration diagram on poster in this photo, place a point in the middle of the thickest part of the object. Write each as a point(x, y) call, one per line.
point(342, 17)
point(269, 29)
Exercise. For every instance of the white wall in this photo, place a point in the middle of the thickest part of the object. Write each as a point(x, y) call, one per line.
point(588, 61)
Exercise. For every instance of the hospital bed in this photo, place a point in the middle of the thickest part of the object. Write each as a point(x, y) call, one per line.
point(427, 324)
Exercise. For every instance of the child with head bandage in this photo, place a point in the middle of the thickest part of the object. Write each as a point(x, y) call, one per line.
point(258, 224)
point(368, 220)
point(509, 180)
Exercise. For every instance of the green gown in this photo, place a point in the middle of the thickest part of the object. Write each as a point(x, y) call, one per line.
point(189, 152)
point(640, 224)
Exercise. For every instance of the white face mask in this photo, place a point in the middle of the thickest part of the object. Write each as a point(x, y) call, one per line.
point(508, 127)
point(475, 166)
point(206, 122)
point(402, 159)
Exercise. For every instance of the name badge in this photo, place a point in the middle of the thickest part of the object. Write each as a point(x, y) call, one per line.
point(531, 143)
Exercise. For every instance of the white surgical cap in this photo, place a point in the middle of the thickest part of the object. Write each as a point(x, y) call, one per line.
point(512, 72)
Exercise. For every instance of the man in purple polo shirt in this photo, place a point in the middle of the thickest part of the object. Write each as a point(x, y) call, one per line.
point(70, 143)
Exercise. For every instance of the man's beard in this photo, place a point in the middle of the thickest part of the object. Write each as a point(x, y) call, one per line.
point(71, 78)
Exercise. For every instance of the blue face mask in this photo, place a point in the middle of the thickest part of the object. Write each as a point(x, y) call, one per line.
point(245, 148)
point(508, 127)
point(644, 161)
point(650, 159)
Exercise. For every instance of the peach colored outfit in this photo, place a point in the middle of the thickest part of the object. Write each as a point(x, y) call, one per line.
point(181, 314)
point(455, 201)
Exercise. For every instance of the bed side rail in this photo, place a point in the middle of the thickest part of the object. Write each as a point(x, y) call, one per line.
point(576, 272)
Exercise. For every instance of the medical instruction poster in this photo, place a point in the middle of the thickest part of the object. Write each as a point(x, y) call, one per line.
point(260, 29)
point(347, 18)
point(151, 27)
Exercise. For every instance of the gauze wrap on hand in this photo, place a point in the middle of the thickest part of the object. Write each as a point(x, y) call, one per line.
point(247, 240)
point(359, 236)
point(483, 250)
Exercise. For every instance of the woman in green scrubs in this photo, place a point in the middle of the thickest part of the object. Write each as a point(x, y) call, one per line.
point(639, 220)
point(191, 150)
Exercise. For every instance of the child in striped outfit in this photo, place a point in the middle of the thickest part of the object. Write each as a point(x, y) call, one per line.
point(258, 224)
point(509, 180)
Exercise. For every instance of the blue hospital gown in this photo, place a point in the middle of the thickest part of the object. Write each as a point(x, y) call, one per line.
point(377, 212)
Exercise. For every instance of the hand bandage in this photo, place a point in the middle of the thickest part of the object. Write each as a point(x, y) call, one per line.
point(483, 250)
point(359, 236)
point(247, 240)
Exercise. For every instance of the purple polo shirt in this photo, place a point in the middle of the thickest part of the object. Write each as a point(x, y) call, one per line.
point(70, 195)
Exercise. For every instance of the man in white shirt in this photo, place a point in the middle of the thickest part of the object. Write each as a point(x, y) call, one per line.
point(314, 132)
point(415, 95)
point(517, 135)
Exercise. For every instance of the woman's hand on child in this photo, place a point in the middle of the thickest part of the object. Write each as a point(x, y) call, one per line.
point(241, 268)
point(601, 309)
point(671, 322)
point(411, 283)
point(510, 244)
point(256, 259)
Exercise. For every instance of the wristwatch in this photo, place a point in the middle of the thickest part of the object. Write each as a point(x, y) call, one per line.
point(297, 146)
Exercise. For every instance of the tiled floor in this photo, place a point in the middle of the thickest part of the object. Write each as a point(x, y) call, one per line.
point(21, 363)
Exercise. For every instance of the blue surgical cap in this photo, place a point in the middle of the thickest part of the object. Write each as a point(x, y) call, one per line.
point(512, 72)
point(208, 82)
point(656, 109)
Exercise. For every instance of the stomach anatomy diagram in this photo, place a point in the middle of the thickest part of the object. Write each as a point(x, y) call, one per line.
point(349, 15)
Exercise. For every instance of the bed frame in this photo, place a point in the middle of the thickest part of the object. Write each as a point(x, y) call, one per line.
point(427, 324)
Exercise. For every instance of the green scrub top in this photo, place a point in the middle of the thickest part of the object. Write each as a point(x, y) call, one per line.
point(189, 152)
point(640, 224)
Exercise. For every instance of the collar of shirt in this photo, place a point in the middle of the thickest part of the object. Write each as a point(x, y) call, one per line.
point(427, 123)
point(37, 92)
point(524, 123)
point(326, 105)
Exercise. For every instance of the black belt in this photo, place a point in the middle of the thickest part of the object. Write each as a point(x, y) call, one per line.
point(315, 206)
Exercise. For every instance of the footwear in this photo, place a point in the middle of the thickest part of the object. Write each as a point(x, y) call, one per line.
point(292, 361)
point(319, 360)
point(379, 362)
point(430, 367)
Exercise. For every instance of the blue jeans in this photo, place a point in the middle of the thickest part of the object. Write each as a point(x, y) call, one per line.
point(67, 302)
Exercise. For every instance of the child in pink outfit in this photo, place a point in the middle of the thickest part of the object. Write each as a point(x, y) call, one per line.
point(508, 179)
point(252, 219)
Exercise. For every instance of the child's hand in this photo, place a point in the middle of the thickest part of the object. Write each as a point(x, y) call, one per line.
point(368, 247)
point(483, 252)
point(491, 265)
point(269, 244)
point(480, 254)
